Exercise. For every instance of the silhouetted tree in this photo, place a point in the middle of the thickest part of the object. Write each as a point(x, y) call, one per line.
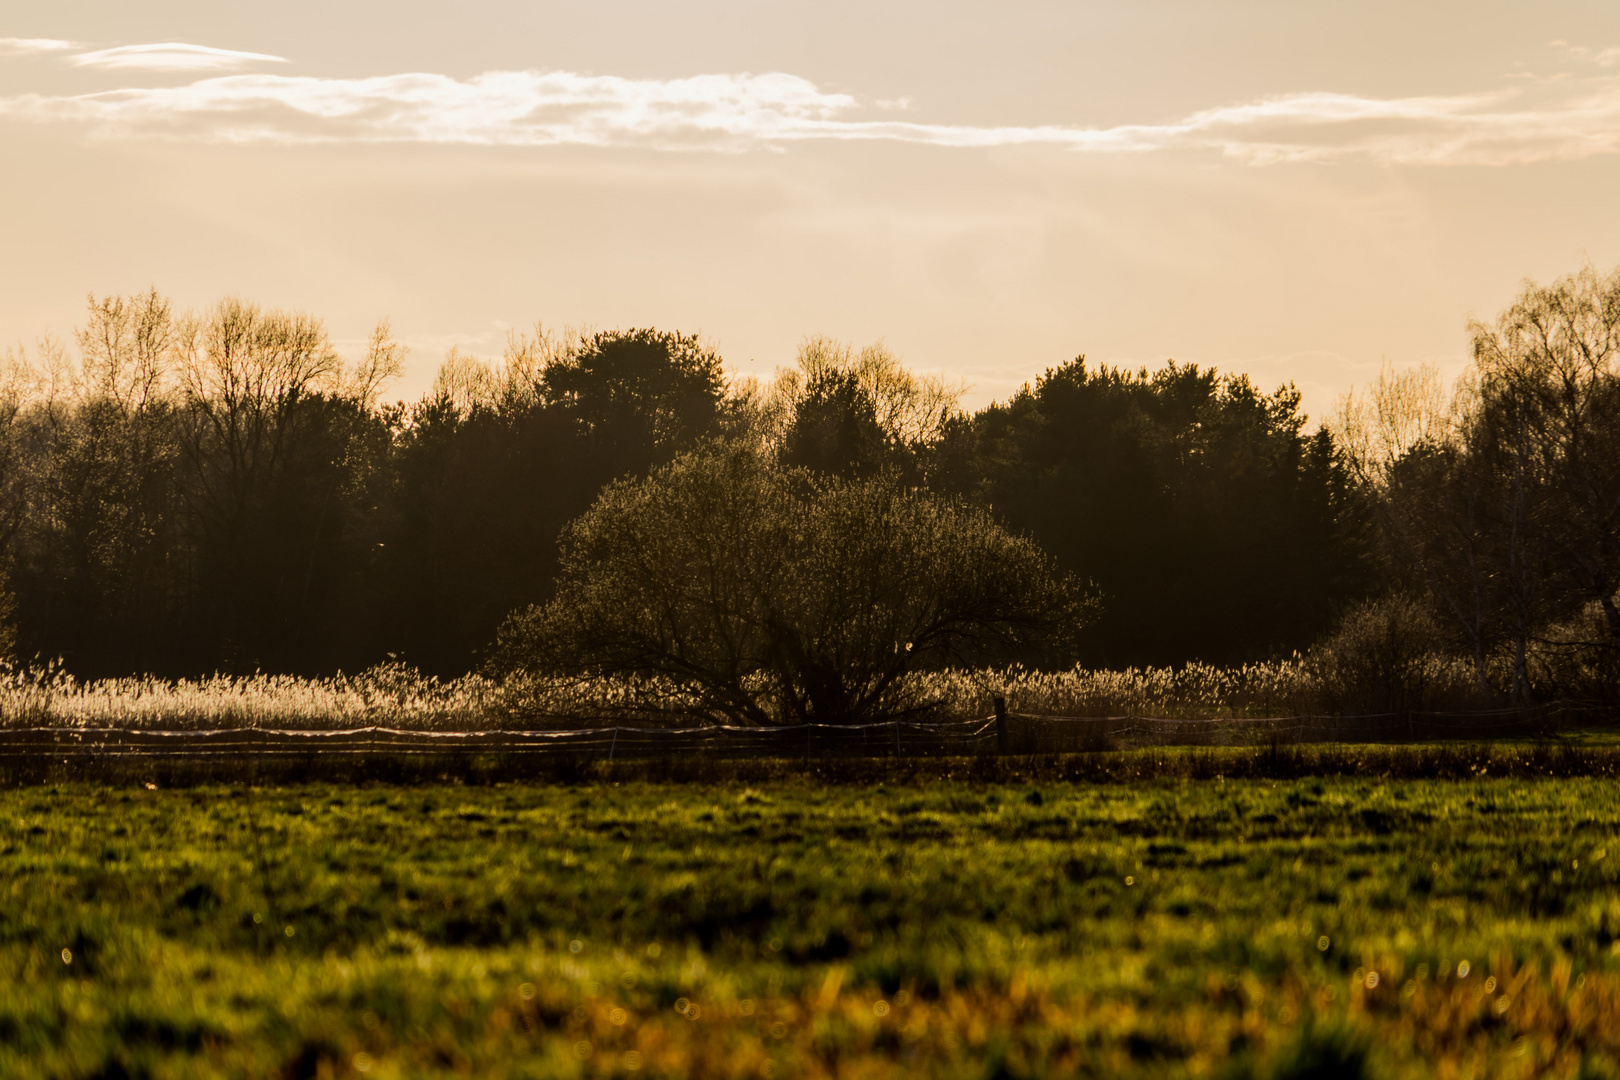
point(91, 560)
point(268, 427)
point(17, 459)
point(774, 595)
point(1214, 527)
point(852, 414)
point(1503, 504)
point(489, 470)
point(637, 395)
point(196, 491)
point(1549, 374)
point(478, 502)
point(835, 430)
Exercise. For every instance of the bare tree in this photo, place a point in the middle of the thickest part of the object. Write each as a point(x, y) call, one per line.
point(383, 363)
point(89, 453)
point(1503, 502)
point(246, 375)
point(1550, 372)
point(1452, 507)
point(20, 384)
point(912, 409)
point(1402, 440)
point(127, 348)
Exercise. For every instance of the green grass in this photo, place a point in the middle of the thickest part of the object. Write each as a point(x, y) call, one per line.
point(1174, 926)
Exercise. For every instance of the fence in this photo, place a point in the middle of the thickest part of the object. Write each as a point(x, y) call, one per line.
point(1036, 733)
point(1006, 732)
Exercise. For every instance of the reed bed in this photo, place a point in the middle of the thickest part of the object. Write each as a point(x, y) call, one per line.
point(397, 696)
point(390, 696)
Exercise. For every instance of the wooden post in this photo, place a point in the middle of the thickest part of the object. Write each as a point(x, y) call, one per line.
point(1001, 723)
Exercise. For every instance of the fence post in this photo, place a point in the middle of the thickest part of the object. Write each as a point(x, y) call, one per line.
point(1001, 723)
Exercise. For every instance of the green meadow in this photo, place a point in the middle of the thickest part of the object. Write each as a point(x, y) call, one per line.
point(1318, 926)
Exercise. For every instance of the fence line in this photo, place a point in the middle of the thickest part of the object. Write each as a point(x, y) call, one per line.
point(1013, 732)
point(1036, 733)
point(618, 740)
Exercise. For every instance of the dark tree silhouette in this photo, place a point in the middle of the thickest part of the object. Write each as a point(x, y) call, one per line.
point(835, 430)
point(638, 393)
point(1214, 526)
point(772, 595)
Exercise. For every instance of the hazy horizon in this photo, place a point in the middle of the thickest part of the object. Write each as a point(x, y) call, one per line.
point(1299, 192)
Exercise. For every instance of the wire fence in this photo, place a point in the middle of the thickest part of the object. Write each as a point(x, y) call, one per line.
point(1005, 732)
point(1038, 733)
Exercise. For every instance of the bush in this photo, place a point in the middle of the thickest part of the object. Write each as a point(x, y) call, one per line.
point(1386, 657)
point(1575, 660)
point(772, 595)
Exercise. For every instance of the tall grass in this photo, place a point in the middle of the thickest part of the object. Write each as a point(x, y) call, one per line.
point(387, 696)
point(1298, 685)
point(397, 696)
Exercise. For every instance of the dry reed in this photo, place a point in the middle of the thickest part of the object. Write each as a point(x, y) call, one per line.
point(397, 696)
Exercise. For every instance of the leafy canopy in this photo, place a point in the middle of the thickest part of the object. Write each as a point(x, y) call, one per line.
point(774, 595)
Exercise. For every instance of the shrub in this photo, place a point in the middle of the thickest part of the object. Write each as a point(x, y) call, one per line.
point(1385, 657)
point(1575, 660)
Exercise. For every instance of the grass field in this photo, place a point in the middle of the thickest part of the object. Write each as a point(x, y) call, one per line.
point(1167, 927)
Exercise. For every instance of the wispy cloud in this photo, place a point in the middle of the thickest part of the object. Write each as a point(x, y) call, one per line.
point(15, 46)
point(1609, 57)
point(1564, 116)
point(171, 56)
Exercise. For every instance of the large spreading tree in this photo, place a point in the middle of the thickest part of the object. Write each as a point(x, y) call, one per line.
point(772, 594)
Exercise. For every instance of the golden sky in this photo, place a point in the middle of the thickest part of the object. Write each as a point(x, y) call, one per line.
point(1300, 190)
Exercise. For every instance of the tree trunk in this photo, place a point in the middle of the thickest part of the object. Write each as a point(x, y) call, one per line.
point(1611, 616)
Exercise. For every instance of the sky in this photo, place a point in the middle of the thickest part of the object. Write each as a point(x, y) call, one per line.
point(1296, 189)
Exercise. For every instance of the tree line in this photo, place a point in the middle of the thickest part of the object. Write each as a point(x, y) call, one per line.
point(219, 491)
point(1497, 499)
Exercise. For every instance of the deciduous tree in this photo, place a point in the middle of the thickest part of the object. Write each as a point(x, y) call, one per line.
point(776, 595)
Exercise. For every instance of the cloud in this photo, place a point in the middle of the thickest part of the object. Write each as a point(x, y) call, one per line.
point(171, 56)
point(1609, 57)
point(496, 108)
point(1532, 118)
point(1543, 120)
point(12, 46)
